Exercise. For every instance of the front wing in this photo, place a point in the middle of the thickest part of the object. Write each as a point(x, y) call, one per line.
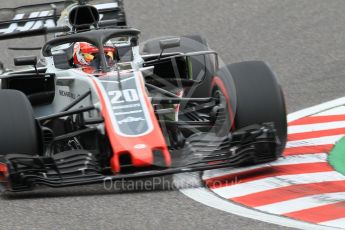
point(20, 172)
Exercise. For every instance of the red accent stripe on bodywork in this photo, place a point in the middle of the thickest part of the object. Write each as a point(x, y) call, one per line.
point(3, 172)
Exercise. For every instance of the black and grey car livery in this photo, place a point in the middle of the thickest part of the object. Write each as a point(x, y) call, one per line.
point(165, 108)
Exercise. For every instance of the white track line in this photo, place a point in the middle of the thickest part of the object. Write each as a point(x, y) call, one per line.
point(336, 111)
point(316, 109)
point(296, 159)
point(327, 140)
point(334, 223)
point(315, 127)
point(236, 190)
point(303, 203)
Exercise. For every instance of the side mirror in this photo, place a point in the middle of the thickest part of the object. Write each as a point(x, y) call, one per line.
point(21, 61)
point(31, 60)
point(169, 43)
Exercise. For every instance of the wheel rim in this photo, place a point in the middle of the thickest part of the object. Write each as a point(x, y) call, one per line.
point(223, 121)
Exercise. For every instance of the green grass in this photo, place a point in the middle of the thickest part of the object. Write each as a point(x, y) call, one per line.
point(336, 157)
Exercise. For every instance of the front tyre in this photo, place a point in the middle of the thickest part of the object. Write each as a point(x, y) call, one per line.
point(255, 97)
point(19, 132)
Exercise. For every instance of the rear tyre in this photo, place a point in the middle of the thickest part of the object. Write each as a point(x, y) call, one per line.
point(258, 97)
point(19, 132)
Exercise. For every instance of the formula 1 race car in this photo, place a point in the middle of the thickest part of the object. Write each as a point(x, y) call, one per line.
point(101, 107)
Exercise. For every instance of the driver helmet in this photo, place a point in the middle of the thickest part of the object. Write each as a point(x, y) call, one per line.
point(86, 54)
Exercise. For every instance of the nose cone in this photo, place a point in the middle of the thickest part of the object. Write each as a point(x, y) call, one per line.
point(131, 124)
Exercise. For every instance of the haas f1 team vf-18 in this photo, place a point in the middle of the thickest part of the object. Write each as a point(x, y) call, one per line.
point(101, 107)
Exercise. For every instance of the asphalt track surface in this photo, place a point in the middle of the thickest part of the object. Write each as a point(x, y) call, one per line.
point(302, 40)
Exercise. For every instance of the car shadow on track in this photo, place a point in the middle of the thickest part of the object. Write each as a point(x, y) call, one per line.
point(153, 184)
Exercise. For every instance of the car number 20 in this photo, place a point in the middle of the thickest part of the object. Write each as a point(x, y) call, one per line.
point(127, 95)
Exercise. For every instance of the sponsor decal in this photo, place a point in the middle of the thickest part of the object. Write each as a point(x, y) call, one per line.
point(140, 146)
point(68, 94)
point(30, 25)
point(44, 23)
point(127, 102)
point(120, 97)
point(130, 120)
point(126, 106)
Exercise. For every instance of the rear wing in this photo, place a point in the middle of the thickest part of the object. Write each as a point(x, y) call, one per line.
point(48, 17)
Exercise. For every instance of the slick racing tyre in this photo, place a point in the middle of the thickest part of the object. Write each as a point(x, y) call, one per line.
point(203, 66)
point(19, 132)
point(253, 96)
